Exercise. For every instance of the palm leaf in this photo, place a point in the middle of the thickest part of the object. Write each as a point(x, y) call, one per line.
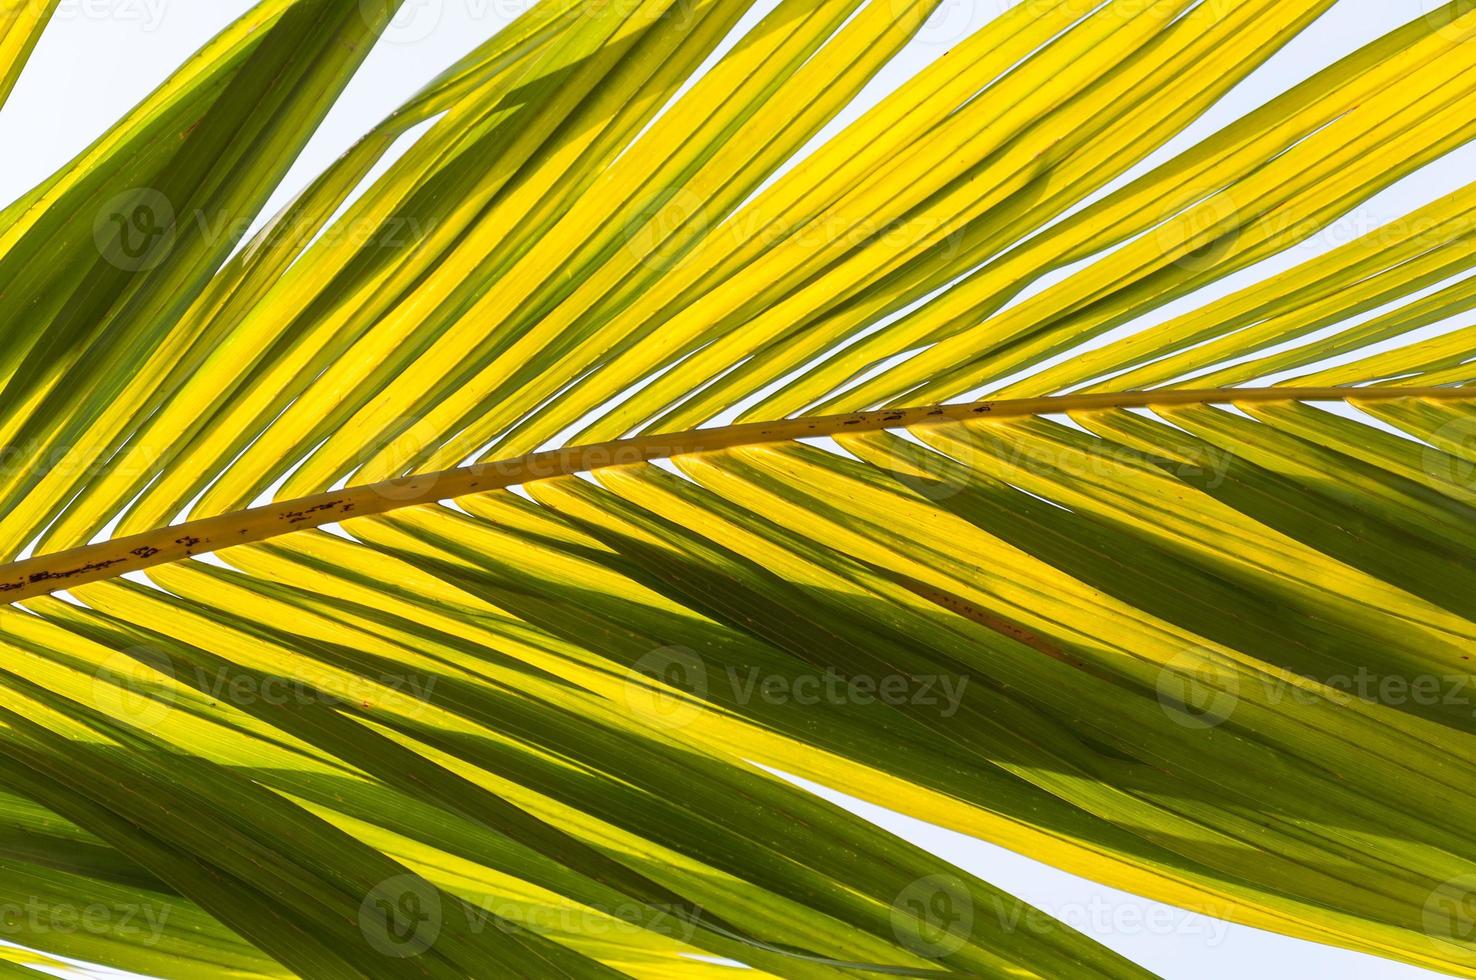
point(1184, 605)
point(21, 25)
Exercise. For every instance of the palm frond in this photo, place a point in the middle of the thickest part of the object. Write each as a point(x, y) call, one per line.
point(1184, 604)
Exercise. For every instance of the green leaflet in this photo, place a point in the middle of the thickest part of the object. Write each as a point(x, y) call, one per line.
point(21, 25)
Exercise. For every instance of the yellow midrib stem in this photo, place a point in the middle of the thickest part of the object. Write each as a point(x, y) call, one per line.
point(106, 559)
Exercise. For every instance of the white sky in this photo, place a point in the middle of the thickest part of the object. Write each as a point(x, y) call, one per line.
point(99, 57)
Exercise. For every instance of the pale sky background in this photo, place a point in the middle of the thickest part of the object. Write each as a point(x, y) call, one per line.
point(100, 57)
